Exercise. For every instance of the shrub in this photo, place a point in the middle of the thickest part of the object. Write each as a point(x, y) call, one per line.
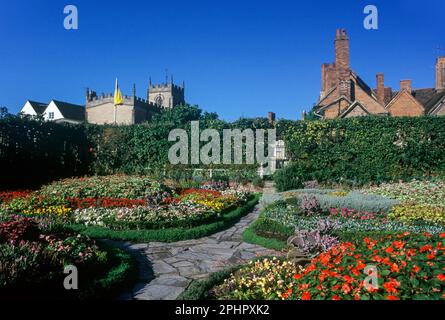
point(290, 177)
point(258, 182)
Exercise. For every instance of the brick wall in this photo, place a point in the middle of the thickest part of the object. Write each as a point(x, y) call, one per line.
point(405, 105)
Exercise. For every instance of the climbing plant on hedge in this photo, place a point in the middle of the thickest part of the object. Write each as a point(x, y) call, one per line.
point(362, 150)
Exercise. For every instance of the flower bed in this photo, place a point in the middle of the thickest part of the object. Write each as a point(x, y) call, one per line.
point(34, 257)
point(127, 203)
point(409, 267)
point(420, 200)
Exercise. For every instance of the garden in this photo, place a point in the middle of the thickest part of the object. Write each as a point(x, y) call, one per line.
point(62, 224)
point(334, 239)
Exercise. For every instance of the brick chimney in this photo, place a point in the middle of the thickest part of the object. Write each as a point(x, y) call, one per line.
point(406, 85)
point(440, 73)
point(381, 88)
point(342, 62)
point(271, 117)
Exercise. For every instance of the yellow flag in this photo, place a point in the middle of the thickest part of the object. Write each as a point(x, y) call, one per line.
point(117, 95)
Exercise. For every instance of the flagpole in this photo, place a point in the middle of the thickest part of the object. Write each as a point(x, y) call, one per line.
point(115, 109)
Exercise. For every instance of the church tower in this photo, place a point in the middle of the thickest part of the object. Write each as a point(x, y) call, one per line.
point(166, 95)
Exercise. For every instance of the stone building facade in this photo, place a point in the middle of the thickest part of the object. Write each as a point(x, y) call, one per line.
point(344, 94)
point(166, 95)
point(101, 109)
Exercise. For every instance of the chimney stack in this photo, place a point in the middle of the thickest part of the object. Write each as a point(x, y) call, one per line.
point(440, 73)
point(381, 88)
point(406, 85)
point(342, 63)
point(271, 117)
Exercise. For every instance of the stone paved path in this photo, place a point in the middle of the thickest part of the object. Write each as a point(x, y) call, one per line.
point(166, 269)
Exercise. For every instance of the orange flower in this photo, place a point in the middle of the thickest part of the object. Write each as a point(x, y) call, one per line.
point(441, 277)
point(395, 268)
point(398, 244)
point(392, 298)
point(360, 264)
point(391, 286)
point(297, 276)
point(431, 256)
point(389, 250)
point(286, 294)
point(306, 295)
point(346, 288)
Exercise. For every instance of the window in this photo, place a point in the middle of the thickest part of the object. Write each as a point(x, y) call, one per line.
point(51, 115)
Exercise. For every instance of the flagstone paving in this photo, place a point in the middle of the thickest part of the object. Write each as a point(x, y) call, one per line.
point(167, 269)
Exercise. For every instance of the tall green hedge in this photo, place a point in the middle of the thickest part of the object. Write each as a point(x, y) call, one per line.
point(362, 150)
point(33, 152)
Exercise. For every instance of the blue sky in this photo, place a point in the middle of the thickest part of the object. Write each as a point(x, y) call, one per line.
point(237, 57)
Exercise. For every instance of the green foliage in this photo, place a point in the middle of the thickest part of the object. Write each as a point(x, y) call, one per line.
point(362, 150)
point(32, 152)
point(199, 290)
point(250, 236)
point(224, 222)
point(289, 178)
point(273, 229)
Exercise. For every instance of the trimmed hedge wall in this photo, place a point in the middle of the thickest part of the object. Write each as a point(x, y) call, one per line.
point(362, 150)
point(34, 152)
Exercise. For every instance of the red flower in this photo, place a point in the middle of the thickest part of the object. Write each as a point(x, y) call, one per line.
point(306, 295)
point(442, 235)
point(391, 286)
point(346, 288)
point(431, 256)
point(416, 269)
point(389, 250)
point(286, 294)
point(441, 277)
point(336, 298)
point(395, 268)
point(427, 247)
point(297, 276)
point(392, 298)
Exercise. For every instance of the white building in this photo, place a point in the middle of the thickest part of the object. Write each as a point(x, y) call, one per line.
point(33, 108)
point(57, 111)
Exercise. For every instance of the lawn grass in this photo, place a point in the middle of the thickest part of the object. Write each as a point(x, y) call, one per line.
point(250, 236)
point(170, 234)
point(268, 233)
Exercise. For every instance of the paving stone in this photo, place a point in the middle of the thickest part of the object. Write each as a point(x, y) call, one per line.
point(176, 264)
point(161, 267)
point(171, 280)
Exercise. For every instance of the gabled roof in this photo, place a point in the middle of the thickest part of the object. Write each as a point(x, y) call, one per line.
point(397, 96)
point(327, 95)
point(435, 100)
point(70, 111)
point(38, 107)
point(356, 104)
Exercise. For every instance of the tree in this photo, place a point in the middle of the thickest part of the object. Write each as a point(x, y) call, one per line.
point(4, 112)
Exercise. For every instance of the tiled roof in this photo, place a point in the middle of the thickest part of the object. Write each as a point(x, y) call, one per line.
point(71, 111)
point(38, 107)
